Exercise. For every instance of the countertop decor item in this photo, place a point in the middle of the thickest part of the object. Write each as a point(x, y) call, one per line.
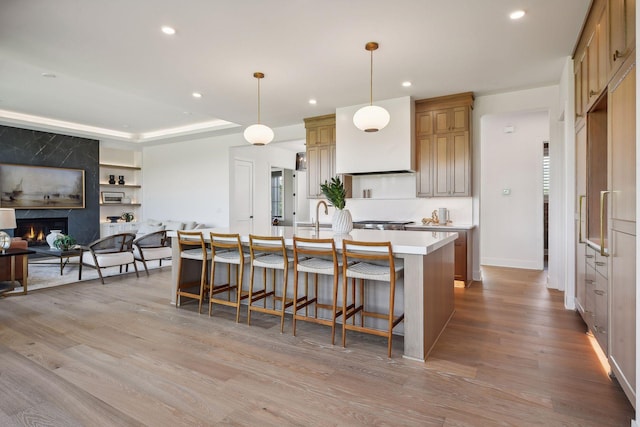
point(64, 242)
point(113, 219)
point(52, 236)
point(334, 191)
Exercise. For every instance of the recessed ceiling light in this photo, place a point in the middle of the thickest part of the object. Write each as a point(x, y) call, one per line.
point(313, 102)
point(196, 95)
point(168, 30)
point(187, 113)
point(517, 14)
point(406, 84)
point(49, 75)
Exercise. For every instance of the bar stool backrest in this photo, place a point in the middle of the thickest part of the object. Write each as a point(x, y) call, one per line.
point(189, 242)
point(225, 242)
point(367, 251)
point(261, 245)
point(322, 248)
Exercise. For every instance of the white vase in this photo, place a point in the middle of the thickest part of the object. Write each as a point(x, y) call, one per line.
point(341, 223)
point(51, 237)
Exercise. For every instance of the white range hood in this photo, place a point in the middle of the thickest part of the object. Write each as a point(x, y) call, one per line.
point(390, 150)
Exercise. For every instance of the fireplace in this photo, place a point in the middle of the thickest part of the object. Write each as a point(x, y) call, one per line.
point(35, 230)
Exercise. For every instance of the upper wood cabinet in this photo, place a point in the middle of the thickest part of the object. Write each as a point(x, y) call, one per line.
point(321, 154)
point(444, 146)
point(607, 39)
point(622, 32)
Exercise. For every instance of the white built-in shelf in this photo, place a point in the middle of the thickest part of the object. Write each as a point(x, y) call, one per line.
point(102, 184)
point(104, 205)
point(106, 165)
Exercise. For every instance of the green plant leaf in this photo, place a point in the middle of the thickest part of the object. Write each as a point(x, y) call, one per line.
point(335, 193)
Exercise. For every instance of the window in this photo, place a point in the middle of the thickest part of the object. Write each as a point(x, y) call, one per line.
point(545, 170)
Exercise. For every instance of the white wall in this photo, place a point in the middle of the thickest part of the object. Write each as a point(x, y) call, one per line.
point(512, 225)
point(263, 159)
point(542, 98)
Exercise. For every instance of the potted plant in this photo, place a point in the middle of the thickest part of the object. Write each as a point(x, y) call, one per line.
point(334, 191)
point(127, 216)
point(64, 242)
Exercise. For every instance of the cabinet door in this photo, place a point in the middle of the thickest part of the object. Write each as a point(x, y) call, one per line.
point(313, 172)
point(601, 313)
point(622, 32)
point(441, 165)
point(603, 50)
point(441, 121)
point(622, 274)
point(580, 215)
point(459, 164)
point(425, 168)
point(577, 81)
point(459, 119)
point(424, 123)
point(592, 67)
point(460, 255)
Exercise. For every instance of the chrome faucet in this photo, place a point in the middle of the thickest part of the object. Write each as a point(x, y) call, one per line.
point(326, 212)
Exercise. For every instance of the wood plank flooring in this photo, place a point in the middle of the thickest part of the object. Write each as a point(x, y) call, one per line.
point(119, 354)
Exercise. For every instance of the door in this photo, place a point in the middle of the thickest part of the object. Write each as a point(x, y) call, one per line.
point(242, 193)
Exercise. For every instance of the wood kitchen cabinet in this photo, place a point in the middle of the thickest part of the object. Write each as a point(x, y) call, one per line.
point(321, 154)
point(463, 249)
point(605, 204)
point(622, 32)
point(443, 129)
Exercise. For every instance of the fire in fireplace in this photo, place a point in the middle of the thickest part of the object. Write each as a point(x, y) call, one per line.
point(35, 230)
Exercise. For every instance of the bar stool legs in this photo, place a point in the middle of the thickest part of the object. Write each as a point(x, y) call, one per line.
point(268, 253)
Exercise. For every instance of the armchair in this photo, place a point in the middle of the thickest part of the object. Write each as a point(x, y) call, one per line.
point(151, 247)
point(5, 263)
point(110, 251)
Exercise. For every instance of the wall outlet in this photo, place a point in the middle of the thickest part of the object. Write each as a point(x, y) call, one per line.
point(506, 191)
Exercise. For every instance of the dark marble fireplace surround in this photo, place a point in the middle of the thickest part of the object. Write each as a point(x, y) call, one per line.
point(36, 148)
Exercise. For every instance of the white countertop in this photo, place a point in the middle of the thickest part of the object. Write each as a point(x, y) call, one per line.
point(401, 241)
point(418, 226)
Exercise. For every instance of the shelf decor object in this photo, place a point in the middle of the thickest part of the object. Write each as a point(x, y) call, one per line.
point(258, 134)
point(7, 221)
point(371, 118)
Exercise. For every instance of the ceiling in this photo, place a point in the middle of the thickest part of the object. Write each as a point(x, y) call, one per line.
point(116, 72)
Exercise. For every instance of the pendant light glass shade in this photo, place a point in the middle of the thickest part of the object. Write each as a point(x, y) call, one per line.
point(371, 118)
point(258, 134)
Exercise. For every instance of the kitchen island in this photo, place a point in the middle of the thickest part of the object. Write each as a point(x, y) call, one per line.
point(426, 287)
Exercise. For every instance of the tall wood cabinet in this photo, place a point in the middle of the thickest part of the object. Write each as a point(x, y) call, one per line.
point(604, 72)
point(321, 154)
point(443, 148)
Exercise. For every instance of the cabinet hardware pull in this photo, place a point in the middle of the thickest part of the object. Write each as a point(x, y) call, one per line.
point(598, 292)
point(591, 282)
point(580, 199)
point(588, 256)
point(617, 55)
point(592, 93)
point(600, 263)
point(603, 249)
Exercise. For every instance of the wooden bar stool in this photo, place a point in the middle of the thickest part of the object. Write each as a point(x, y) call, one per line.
point(371, 261)
point(227, 249)
point(192, 247)
point(315, 256)
point(269, 253)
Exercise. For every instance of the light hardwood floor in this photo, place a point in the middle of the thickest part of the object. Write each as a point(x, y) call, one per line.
point(119, 354)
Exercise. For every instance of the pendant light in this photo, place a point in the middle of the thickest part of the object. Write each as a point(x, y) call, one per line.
point(258, 134)
point(371, 118)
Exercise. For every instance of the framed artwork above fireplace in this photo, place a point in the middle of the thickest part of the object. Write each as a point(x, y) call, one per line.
point(41, 187)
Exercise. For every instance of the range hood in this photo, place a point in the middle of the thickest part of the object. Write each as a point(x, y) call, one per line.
point(390, 150)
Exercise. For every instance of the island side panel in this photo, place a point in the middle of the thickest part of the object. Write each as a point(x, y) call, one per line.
point(413, 288)
point(439, 302)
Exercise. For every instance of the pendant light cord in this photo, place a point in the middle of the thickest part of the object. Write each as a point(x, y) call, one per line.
point(371, 81)
point(258, 100)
